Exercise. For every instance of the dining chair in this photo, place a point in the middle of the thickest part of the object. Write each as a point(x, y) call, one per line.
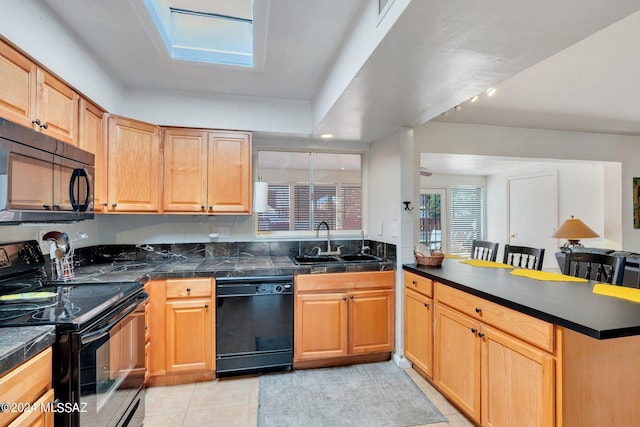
point(481, 249)
point(598, 267)
point(523, 257)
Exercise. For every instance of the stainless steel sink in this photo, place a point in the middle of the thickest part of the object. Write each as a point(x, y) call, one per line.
point(359, 257)
point(315, 259)
point(323, 259)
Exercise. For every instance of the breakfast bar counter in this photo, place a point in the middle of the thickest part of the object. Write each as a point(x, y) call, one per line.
point(569, 304)
point(508, 349)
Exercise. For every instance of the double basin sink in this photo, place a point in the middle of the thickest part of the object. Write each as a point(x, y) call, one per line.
point(323, 259)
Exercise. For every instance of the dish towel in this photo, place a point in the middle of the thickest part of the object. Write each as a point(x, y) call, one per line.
point(630, 294)
point(546, 275)
point(484, 263)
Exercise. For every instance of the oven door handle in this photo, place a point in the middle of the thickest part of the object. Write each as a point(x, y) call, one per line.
point(96, 335)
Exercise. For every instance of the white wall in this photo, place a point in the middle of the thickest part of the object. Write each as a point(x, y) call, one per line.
point(391, 180)
point(546, 144)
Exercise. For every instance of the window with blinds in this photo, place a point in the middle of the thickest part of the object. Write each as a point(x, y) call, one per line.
point(466, 218)
point(305, 189)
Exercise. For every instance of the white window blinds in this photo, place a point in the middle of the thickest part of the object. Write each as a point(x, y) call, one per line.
point(466, 221)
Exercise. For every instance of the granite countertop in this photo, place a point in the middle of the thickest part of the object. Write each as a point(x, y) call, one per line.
point(181, 268)
point(19, 344)
point(568, 304)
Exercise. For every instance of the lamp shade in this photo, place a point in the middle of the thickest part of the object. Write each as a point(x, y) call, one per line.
point(260, 192)
point(573, 230)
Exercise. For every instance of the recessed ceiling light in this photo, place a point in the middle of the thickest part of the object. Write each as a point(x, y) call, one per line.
point(326, 135)
point(458, 107)
point(491, 91)
point(474, 99)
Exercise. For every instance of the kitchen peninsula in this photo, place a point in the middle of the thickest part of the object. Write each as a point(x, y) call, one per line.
point(511, 350)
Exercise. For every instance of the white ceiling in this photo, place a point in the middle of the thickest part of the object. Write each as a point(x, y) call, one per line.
point(557, 64)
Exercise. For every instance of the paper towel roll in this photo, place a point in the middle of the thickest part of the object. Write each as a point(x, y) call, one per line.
point(260, 191)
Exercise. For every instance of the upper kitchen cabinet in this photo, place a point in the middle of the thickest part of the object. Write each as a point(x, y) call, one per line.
point(207, 171)
point(32, 97)
point(92, 132)
point(133, 167)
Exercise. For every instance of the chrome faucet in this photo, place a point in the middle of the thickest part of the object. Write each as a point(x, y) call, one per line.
point(364, 249)
point(328, 251)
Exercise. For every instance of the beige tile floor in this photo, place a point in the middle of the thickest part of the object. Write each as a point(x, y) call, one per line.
point(234, 402)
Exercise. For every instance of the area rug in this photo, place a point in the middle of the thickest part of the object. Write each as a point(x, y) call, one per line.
point(372, 394)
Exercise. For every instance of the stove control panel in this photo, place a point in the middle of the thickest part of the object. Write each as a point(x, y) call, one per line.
point(20, 257)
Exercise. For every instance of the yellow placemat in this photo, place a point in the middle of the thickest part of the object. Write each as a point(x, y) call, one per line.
point(546, 275)
point(484, 263)
point(630, 294)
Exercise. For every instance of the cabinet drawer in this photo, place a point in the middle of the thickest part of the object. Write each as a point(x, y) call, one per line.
point(522, 326)
point(418, 284)
point(188, 288)
point(26, 383)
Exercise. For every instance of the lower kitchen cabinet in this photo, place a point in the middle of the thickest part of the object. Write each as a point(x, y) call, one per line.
point(29, 383)
point(189, 335)
point(182, 331)
point(418, 322)
point(340, 316)
point(497, 379)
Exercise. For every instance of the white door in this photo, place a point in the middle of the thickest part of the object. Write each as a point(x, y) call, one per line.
point(533, 213)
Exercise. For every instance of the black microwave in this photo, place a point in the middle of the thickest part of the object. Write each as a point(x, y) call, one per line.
point(43, 179)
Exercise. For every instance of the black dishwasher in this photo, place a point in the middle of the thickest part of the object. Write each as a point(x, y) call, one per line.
point(254, 324)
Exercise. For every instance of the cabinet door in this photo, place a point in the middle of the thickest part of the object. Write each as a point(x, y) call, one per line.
point(371, 321)
point(518, 382)
point(57, 106)
point(229, 172)
point(157, 328)
point(418, 330)
point(457, 359)
point(320, 328)
point(39, 416)
point(189, 335)
point(185, 171)
point(17, 87)
point(92, 131)
point(133, 176)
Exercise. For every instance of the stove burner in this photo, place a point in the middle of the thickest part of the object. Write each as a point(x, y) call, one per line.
point(56, 313)
point(13, 311)
point(93, 291)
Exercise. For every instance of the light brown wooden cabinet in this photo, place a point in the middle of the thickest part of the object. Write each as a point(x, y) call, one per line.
point(32, 97)
point(207, 171)
point(133, 167)
point(182, 330)
point(342, 315)
point(92, 137)
point(418, 322)
point(496, 378)
point(30, 382)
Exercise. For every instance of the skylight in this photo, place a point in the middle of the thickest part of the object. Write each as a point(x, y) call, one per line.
point(211, 31)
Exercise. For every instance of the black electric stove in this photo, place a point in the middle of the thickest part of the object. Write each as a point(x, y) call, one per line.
point(98, 357)
point(71, 306)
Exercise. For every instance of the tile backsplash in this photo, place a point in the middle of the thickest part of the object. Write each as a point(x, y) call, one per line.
point(147, 252)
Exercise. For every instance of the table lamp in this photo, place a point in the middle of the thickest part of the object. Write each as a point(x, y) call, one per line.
point(573, 230)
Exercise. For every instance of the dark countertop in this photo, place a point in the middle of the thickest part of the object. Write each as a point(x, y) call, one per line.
point(182, 268)
point(21, 343)
point(569, 304)
point(17, 345)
